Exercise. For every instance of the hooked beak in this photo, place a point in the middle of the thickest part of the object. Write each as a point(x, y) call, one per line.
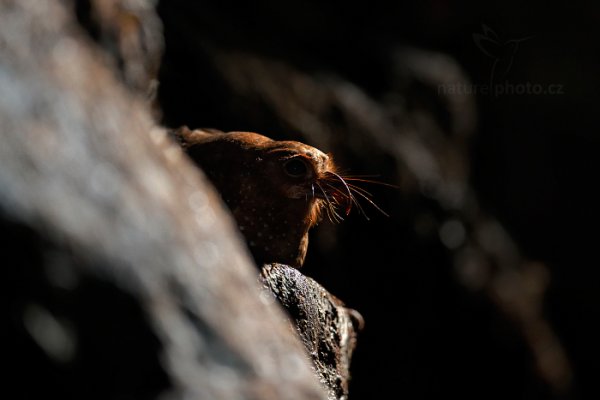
point(334, 190)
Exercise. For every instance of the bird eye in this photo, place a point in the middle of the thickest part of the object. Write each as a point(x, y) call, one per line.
point(296, 168)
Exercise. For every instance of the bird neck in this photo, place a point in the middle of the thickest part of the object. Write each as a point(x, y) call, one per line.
point(276, 232)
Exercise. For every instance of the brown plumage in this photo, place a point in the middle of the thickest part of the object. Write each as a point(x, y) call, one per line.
point(276, 190)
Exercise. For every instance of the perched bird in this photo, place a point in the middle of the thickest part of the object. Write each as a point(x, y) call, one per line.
point(276, 190)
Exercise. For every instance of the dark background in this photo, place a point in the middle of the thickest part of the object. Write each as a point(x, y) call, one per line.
point(532, 162)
